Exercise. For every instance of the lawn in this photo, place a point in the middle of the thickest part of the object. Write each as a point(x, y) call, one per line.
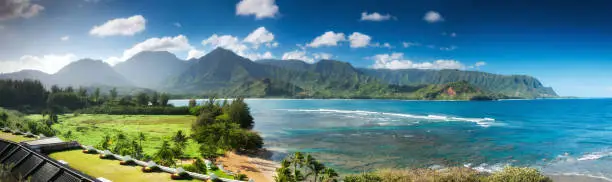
point(92, 165)
point(89, 129)
point(14, 138)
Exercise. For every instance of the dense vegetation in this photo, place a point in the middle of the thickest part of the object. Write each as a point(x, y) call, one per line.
point(225, 126)
point(304, 167)
point(30, 96)
point(15, 120)
point(455, 174)
point(300, 167)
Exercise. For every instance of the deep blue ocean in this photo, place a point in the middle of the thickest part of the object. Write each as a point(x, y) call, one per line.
point(560, 136)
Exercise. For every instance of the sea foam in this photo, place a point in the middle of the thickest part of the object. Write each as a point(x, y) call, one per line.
point(484, 122)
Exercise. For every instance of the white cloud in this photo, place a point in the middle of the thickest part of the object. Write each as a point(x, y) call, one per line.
point(177, 24)
point(477, 65)
point(299, 55)
point(453, 34)
point(65, 38)
point(327, 39)
point(194, 53)
point(10, 9)
point(359, 40)
point(257, 56)
point(261, 36)
point(374, 16)
point(448, 48)
point(226, 41)
point(386, 44)
point(120, 26)
point(260, 8)
point(48, 63)
point(170, 44)
point(410, 44)
point(322, 55)
point(433, 17)
point(397, 61)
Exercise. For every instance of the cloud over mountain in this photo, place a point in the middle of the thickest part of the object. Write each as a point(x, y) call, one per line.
point(397, 61)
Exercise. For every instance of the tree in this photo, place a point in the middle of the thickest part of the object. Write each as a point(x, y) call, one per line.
point(239, 112)
point(315, 167)
point(123, 145)
point(292, 167)
point(209, 152)
point(155, 99)
point(284, 174)
point(163, 99)
point(69, 89)
point(96, 95)
point(329, 175)
point(55, 89)
point(192, 103)
point(141, 137)
point(180, 141)
point(105, 143)
point(164, 155)
point(142, 99)
point(137, 150)
point(82, 92)
point(297, 160)
point(113, 94)
point(4, 116)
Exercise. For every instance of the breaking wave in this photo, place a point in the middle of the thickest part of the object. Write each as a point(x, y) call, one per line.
point(484, 122)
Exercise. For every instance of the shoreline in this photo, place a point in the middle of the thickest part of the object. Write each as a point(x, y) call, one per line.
point(254, 167)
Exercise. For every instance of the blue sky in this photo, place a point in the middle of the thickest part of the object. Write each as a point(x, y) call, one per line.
point(566, 44)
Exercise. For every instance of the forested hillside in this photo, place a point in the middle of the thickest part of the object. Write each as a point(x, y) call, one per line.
point(224, 73)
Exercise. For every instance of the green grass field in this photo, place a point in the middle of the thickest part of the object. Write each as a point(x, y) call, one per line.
point(110, 169)
point(90, 129)
point(14, 138)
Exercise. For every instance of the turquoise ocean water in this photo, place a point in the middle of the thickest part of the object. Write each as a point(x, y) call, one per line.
point(561, 136)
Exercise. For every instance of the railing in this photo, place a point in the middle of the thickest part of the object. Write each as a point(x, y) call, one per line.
point(25, 163)
point(162, 168)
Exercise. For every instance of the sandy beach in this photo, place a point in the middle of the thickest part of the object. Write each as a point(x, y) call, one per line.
point(260, 170)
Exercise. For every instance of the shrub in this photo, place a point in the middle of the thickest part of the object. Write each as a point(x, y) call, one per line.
point(242, 177)
point(518, 174)
point(365, 177)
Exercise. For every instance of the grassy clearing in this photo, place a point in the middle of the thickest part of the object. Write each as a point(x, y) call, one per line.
point(110, 169)
point(14, 138)
point(89, 129)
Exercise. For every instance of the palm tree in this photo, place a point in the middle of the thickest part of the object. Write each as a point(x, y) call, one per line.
point(283, 174)
point(315, 167)
point(141, 137)
point(297, 160)
point(329, 175)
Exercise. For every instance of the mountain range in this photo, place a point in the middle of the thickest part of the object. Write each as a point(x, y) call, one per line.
point(223, 73)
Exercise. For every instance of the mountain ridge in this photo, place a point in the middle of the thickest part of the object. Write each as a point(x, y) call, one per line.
point(223, 72)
